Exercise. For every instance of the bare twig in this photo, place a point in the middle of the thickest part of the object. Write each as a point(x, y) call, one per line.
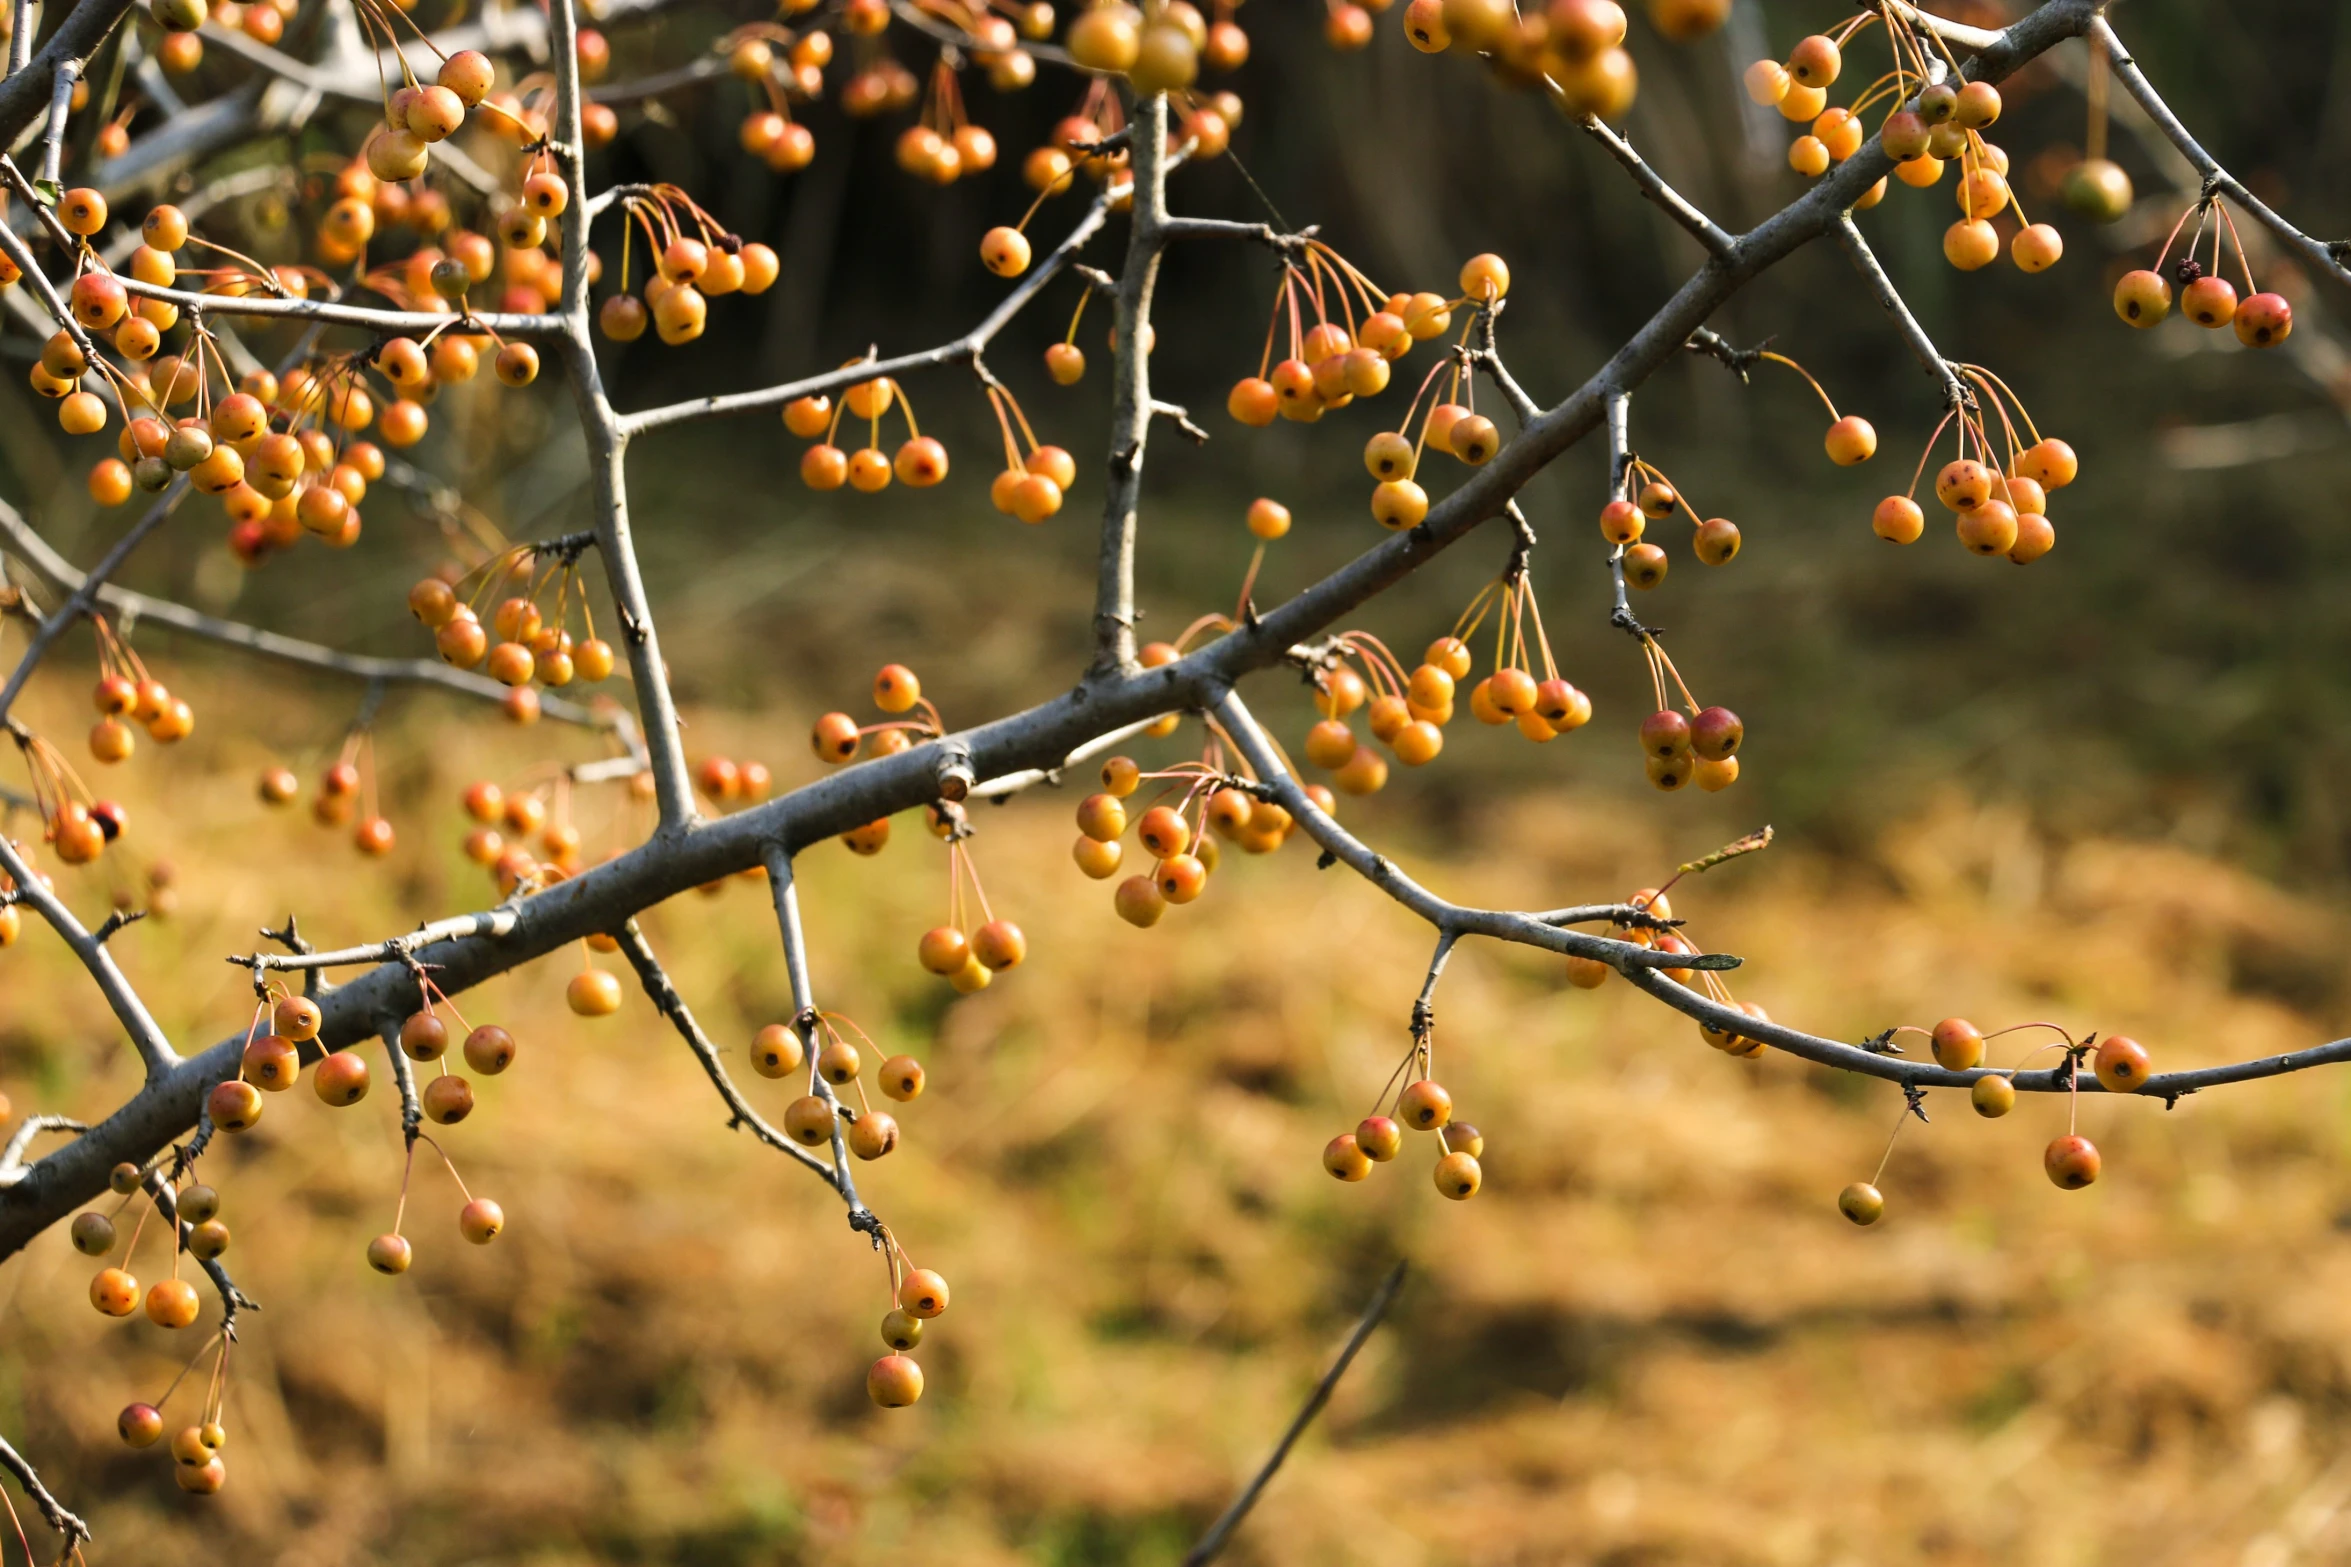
point(46, 563)
point(1673, 203)
point(962, 350)
point(155, 1051)
point(53, 1512)
point(32, 1126)
point(787, 907)
point(1130, 393)
point(2334, 259)
point(740, 1114)
point(1865, 262)
point(1213, 1542)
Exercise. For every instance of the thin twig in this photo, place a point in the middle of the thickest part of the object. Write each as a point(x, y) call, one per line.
point(1213, 1542)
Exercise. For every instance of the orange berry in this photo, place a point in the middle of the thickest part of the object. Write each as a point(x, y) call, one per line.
point(1344, 1158)
point(271, 1063)
point(834, 738)
point(895, 1381)
point(234, 1105)
point(2071, 1162)
point(341, 1078)
point(172, 1303)
point(1898, 520)
point(2121, 1064)
point(895, 689)
point(1851, 440)
point(1957, 1044)
point(1139, 902)
point(593, 993)
point(1424, 1106)
point(480, 1220)
point(1459, 1176)
point(999, 944)
point(114, 1292)
point(943, 950)
point(1990, 529)
point(901, 1078)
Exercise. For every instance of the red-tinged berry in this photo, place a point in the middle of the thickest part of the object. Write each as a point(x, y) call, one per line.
point(1424, 1106)
point(1957, 1044)
point(1344, 1159)
point(2071, 1162)
point(895, 1381)
point(2122, 1064)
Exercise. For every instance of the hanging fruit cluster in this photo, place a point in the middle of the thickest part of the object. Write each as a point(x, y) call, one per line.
point(2120, 1064)
point(2143, 297)
point(1998, 496)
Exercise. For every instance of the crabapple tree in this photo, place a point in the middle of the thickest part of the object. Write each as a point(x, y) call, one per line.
point(467, 234)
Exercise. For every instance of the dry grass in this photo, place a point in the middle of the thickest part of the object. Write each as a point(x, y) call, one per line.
point(1651, 1340)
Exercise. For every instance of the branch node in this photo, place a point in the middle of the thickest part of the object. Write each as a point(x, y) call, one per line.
point(953, 774)
point(115, 923)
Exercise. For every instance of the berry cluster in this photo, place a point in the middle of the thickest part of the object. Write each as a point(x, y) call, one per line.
point(346, 788)
point(1421, 1104)
point(920, 461)
point(2144, 297)
point(1572, 49)
point(1999, 505)
point(1209, 804)
point(534, 644)
point(1925, 123)
point(2120, 1063)
point(695, 260)
point(74, 823)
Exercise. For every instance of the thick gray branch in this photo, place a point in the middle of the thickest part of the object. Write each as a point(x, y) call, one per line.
point(24, 95)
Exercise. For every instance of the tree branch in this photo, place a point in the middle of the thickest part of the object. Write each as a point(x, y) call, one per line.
point(53, 568)
point(155, 1051)
point(608, 440)
point(24, 95)
point(1130, 396)
point(1717, 239)
point(740, 1114)
point(964, 348)
point(53, 1511)
point(83, 593)
point(32, 1126)
point(602, 898)
point(804, 1017)
point(1212, 1543)
point(2328, 258)
point(1865, 262)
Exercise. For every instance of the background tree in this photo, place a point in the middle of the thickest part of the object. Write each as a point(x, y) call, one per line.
point(285, 453)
